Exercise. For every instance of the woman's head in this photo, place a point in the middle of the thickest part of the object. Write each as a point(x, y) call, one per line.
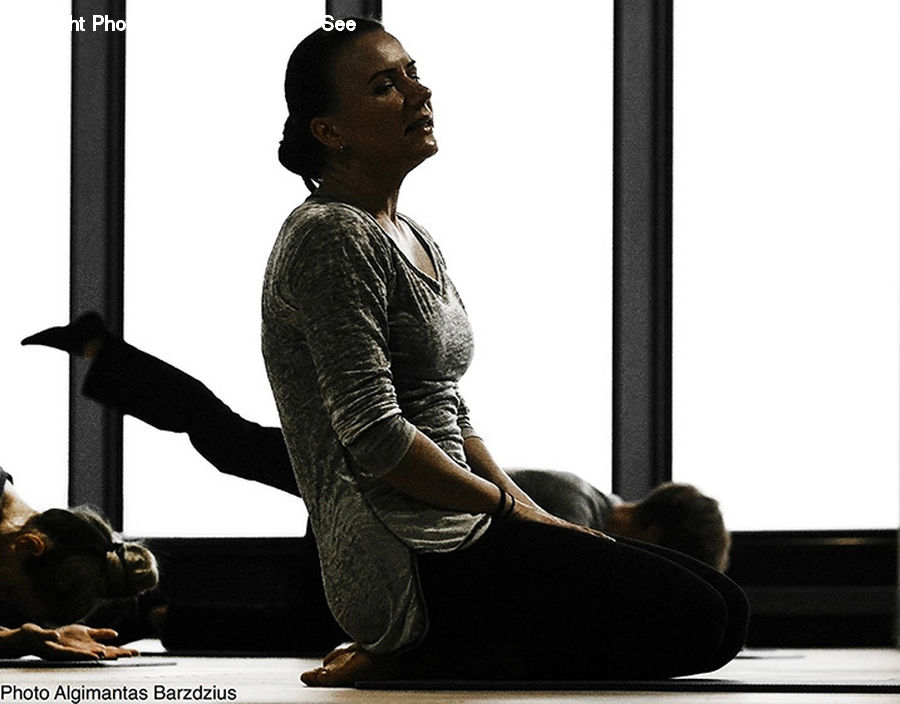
point(71, 561)
point(354, 99)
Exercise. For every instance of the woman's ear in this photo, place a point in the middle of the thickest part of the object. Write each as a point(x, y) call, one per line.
point(33, 544)
point(323, 130)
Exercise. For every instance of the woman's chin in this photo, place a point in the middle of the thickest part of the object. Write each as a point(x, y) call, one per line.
point(429, 149)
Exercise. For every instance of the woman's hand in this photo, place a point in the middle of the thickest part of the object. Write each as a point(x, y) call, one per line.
point(535, 514)
point(73, 642)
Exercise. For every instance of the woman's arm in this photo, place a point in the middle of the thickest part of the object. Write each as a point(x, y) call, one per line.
point(483, 464)
point(426, 473)
point(74, 642)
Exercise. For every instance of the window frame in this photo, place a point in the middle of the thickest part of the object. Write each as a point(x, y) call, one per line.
point(97, 246)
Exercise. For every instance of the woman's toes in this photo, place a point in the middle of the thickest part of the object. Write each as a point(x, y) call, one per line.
point(312, 678)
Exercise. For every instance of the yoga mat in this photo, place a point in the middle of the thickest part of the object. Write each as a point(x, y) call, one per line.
point(683, 685)
point(35, 663)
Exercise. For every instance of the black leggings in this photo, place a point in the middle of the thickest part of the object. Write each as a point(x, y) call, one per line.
point(526, 601)
point(143, 386)
point(530, 601)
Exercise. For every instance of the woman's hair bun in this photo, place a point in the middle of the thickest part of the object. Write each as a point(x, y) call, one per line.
point(293, 151)
point(130, 569)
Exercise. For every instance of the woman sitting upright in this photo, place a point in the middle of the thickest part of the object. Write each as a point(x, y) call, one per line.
point(433, 559)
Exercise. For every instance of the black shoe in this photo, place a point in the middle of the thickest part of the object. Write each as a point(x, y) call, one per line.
point(74, 337)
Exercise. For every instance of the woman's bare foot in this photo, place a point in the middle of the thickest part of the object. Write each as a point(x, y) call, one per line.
point(344, 666)
point(340, 650)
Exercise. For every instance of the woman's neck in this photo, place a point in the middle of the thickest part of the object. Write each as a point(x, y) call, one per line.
point(376, 195)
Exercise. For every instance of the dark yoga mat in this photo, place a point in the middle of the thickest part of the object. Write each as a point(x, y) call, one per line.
point(33, 663)
point(685, 685)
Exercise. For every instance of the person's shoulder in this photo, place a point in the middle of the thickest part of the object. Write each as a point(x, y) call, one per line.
point(331, 224)
point(319, 211)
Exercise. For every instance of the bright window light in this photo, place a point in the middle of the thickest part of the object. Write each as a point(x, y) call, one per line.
point(787, 162)
point(34, 264)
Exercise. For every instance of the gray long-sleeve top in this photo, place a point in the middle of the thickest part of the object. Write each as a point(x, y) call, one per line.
point(362, 348)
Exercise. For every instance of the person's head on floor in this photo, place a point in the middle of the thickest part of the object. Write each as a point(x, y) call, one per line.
point(680, 517)
point(356, 108)
point(61, 564)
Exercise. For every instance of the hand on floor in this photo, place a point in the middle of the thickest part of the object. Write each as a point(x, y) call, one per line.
point(74, 642)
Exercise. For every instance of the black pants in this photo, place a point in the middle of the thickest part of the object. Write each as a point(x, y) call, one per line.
point(529, 601)
point(526, 601)
point(163, 396)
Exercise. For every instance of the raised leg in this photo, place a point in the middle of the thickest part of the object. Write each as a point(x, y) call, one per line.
point(143, 386)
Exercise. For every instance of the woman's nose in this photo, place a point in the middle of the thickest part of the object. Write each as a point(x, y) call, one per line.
point(418, 93)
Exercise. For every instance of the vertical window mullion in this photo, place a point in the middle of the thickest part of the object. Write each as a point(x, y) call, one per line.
point(354, 8)
point(97, 227)
point(642, 246)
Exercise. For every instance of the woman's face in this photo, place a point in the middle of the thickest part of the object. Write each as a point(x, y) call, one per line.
point(383, 116)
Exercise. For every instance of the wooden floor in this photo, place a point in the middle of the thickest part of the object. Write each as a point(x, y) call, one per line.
point(274, 681)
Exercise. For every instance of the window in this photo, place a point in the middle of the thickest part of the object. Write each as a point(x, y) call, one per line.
point(205, 197)
point(787, 160)
point(519, 198)
point(34, 266)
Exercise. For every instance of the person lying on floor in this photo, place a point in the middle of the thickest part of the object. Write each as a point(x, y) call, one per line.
point(675, 516)
point(56, 566)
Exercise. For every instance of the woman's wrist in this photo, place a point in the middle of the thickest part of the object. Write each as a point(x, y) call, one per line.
point(506, 504)
point(12, 640)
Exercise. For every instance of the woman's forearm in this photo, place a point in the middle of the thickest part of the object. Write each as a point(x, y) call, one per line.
point(483, 464)
point(428, 474)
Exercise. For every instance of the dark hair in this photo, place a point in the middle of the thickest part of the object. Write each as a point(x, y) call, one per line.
point(687, 521)
point(84, 563)
point(310, 92)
